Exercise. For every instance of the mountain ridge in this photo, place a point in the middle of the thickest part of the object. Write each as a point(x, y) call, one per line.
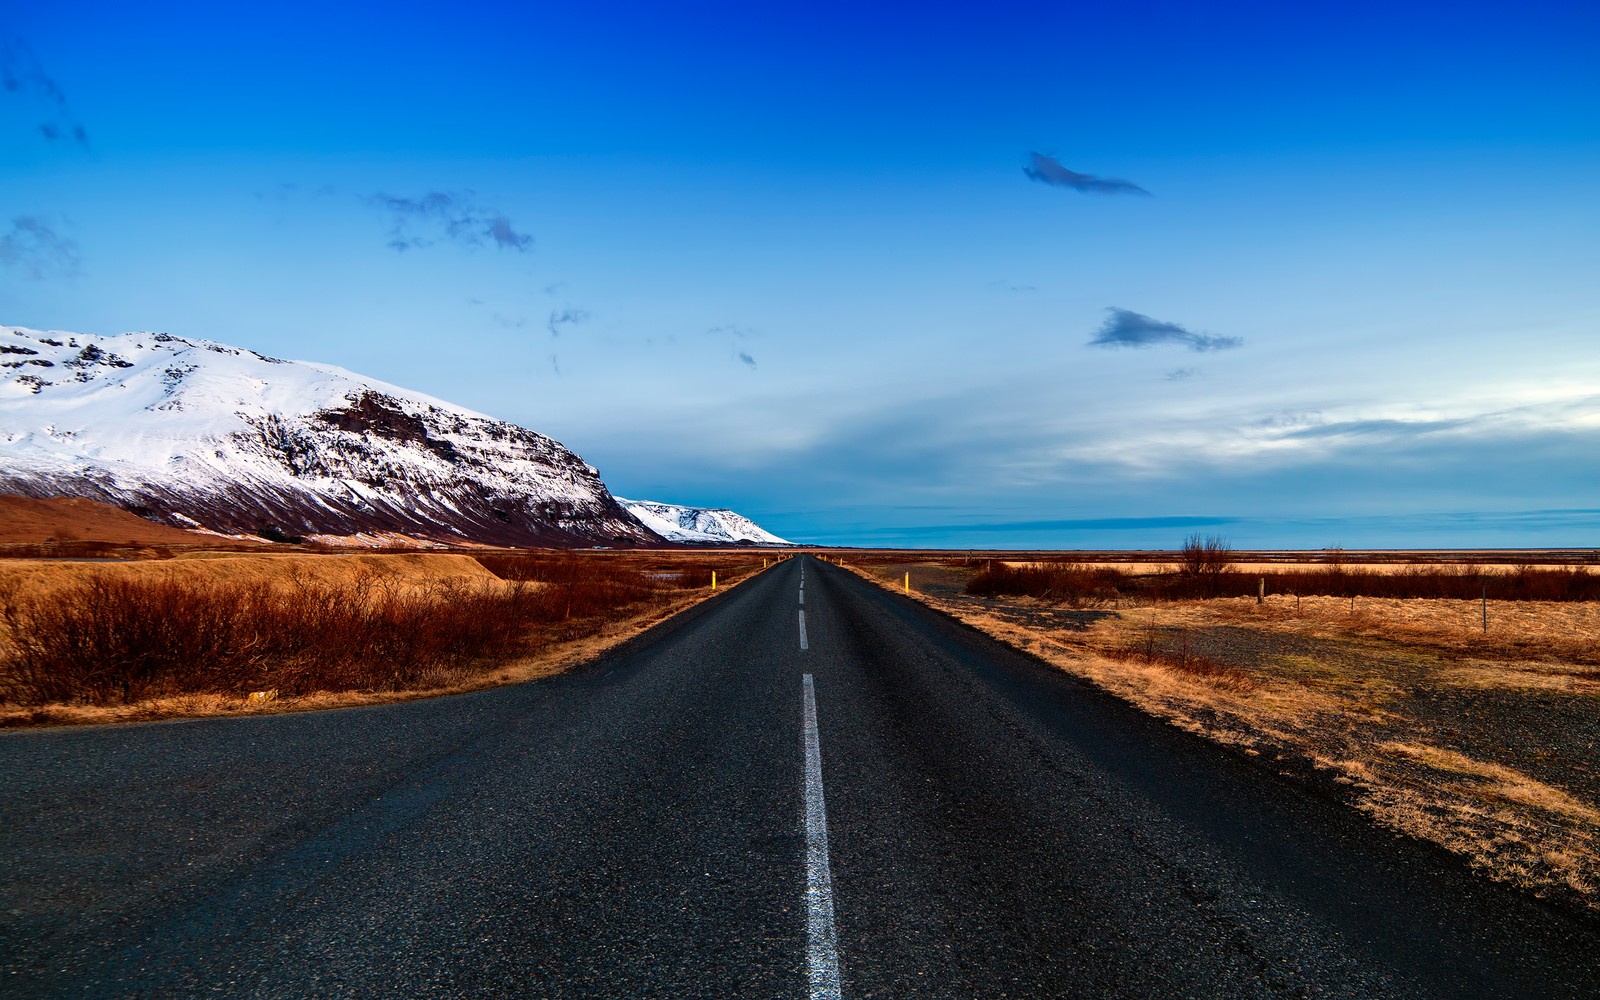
point(196, 433)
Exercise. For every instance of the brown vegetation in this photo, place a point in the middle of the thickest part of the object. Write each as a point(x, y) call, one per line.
point(289, 627)
point(1203, 573)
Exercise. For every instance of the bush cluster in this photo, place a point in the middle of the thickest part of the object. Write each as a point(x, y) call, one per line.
point(1076, 584)
point(108, 640)
point(1071, 583)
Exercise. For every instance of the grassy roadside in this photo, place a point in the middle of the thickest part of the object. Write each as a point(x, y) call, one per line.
point(1487, 743)
point(94, 643)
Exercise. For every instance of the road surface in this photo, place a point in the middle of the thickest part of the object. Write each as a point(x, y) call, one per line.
point(805, 787)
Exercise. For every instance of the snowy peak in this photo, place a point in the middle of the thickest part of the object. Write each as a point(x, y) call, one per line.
point(194, 432)
point(699, 525)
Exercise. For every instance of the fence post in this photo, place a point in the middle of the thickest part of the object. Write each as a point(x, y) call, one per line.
point(1486, 607)
point(1261, 590)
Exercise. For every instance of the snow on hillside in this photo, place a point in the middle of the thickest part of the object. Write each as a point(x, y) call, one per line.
point(699, 525)
point(191, 432)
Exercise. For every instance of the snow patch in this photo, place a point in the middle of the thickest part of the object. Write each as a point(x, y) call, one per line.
point(699, 525)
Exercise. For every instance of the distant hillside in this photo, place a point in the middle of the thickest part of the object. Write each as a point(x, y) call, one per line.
point(27, 520)
point(700, 525)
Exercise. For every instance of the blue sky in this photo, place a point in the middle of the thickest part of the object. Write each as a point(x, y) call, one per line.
point(995, 276)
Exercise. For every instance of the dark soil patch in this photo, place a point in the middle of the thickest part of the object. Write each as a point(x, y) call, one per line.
point(1550, 735)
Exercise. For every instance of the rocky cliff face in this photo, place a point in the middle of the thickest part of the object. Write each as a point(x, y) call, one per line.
point(194, 433)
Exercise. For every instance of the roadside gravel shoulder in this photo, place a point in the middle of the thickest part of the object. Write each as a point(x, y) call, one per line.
point(1496, 761)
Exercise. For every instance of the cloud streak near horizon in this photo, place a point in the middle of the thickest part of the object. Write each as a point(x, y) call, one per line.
point(1048, 170)
point(446, 217)
point(1125, 328)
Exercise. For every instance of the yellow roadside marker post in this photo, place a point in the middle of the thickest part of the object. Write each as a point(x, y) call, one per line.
point(908, 583)
point(713, 579)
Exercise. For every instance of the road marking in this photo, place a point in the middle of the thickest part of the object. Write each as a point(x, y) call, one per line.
point(822, 943)
point(803, 631)
point(802, 595)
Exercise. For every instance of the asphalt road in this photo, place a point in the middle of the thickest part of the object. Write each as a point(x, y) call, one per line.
point(931, 815)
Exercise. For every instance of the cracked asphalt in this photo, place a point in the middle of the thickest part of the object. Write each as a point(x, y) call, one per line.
point(636, 828)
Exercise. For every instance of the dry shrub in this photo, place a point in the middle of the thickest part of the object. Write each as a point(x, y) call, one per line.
point(1205, 562)
point(1522, 583)
point(1200, 668)
point(618, 573)
point(576, 586)
point(1205, 573)
point(1072, 583)
point(109, 639)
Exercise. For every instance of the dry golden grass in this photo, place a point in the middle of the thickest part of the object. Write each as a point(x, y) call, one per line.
point(40, 578)
point(26, 520)
point(428, 575)
point(1433, 727)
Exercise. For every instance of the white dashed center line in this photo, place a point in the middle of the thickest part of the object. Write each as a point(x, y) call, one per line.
point(803, 630)
point(822, 943)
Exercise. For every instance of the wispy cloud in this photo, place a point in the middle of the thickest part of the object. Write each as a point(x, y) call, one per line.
point(1124, 328)
point(22, 76)
point(1007, 286)
point(1182, 374)
point(440, 216)
point(736, 336)
point(38, 249)
point(565, 317)
point(1048, 170)
point(1386, 428)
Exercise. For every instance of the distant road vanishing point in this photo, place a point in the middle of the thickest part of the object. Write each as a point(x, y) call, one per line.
point(805, 787)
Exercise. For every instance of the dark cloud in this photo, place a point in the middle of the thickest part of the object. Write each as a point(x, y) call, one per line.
point(1048, 170)
point(1130, 329)
point(439, 216)
point(21, 75)
point(747, 359)
point(37, 249)
point(565, 317)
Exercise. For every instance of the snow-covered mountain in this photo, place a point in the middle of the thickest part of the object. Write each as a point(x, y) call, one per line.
point(699, 525)
point(194, 433)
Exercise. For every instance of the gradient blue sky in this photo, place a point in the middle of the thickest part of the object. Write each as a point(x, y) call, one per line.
point(788, 259)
